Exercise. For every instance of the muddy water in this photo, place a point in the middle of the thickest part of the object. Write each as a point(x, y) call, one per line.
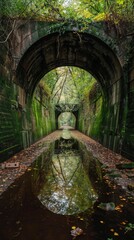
point(56, 196)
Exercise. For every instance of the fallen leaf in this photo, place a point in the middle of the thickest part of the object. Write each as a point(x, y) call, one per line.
point(123, 223)
point(116, 234)
point(73, 227)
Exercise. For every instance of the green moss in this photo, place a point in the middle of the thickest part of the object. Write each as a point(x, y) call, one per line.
point(91, 112)
point(42, 115)
point(10, 117)
point(96, 124)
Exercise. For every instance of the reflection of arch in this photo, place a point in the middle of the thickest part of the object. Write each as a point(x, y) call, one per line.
point(58, 113)
point(66, 119)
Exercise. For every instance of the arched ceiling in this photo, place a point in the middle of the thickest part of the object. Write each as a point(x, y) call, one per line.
point(69, 49)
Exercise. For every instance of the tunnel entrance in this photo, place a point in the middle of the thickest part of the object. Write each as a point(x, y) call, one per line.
point(66, 120)
point(86, 52)
point(69, 49)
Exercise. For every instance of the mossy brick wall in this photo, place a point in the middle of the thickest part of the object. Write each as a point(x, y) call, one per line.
point(90, 114)
point(43, 115)
point(128, 141)
point(10, 141)
point(37, 117)
point(20, 125)
point(99, 120)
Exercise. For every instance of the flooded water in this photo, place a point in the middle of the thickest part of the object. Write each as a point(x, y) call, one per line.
point(67, 190)
point(57, 196)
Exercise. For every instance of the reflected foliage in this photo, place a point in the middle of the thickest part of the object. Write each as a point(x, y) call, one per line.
point(68, 189)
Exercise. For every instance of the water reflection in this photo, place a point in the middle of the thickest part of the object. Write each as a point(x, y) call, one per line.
point(68, 189)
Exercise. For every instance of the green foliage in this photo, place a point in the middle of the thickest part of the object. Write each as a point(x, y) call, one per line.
point(31, 9)
point(79, 13)
point(129, 227)
point(71, 9)
point(68, 84)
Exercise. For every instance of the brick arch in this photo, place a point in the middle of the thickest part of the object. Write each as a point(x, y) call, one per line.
point(81, 50)
point(70, 49)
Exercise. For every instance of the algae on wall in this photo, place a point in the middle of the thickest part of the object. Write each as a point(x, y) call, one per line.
point(38, 117)
point(99, 119)
point(10, 116)
point(43, 114)
point(21, 123)
point(90, 113)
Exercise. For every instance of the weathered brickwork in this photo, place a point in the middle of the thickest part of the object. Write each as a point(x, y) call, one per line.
point(39, 47)
point(20, 124)
point(9, 121)
point(128, 141)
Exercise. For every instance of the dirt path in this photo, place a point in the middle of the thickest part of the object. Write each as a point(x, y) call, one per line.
point(105, 155)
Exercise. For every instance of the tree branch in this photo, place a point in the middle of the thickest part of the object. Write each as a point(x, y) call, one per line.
point(13, 27)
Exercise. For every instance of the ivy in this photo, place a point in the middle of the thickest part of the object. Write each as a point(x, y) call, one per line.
point(63, 10)
point(116, 13)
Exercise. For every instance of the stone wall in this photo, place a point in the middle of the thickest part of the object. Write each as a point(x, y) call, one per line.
point(35, 50)
point(43, 114)
point(90, 113)
point(21, 122)
point(100, 119)
point(10, 141)
point(128, 141)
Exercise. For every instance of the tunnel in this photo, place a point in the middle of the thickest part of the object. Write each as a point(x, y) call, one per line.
point(70, 49)
point(33, 121)
point(86, 52)
point(66, 119)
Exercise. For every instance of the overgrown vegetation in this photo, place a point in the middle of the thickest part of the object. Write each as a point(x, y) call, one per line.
point(68, 9)
point(73, 88)
point(114, 12)
point(68, 85)
point(115, 15)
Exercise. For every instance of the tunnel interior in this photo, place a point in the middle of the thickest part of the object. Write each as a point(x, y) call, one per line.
point(84, 51)
point(99, 114)
point(27, 108)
